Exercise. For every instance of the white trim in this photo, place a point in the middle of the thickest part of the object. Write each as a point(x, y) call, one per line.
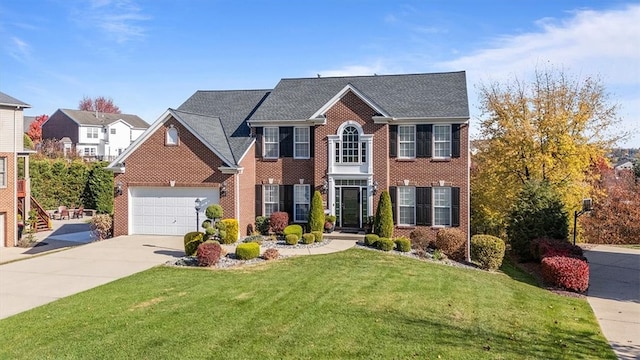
point(399, 205)
point(230, 170)
point(308, 142)
point(264, 142)
point(415, 142)
point(420, 120)
point(433, 206)
point(342, 93)
point(308, 187)
point(433, 141)
point(280, 122)
point(249, 148)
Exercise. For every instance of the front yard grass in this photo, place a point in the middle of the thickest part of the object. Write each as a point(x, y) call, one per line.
point(353, 304)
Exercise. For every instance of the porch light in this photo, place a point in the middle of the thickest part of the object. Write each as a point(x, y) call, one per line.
point(223, 188)
point(374, 187)
point(119, 188)
point(325, 186)
point(198, 206)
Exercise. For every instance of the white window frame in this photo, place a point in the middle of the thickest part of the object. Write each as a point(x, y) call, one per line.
point(268, 140)
point(436, 141)
point(441, 200)
point(342, 150)
point(406, 200)
point(299, 132)
point(92, 133)
point(301, 196)
point(112, 131)
point(3, 172)
point(171, 138)
point(411, 142)
point(86, 151)
point(270, 196)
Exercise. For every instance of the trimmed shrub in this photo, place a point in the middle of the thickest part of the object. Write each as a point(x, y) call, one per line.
point(247, 251)
point(214, 212)
point(211, 231)
point(316, 213)
point(421, 239)
point(544, 247)
point(278, 221)
point(206, 224)
point(537, 213)
point(566, 272)
point(383, 223)
point(262, 225)
point(271, 254)
point(308, 238)
point(191, 242)
point(385, 244)
point(291, 239)
point(487, 251)
point(293, 229)
point(403, 244)
point(317, 235)
point(231, 231)
point(209, 253)
point(101, 226)
point(451, 242)
point(371, 239)
point(254, 238)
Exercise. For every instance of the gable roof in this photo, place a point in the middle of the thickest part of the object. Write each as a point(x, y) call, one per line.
point(6, 100)
point(223, 118)
point(89, 118)
point(435, 95)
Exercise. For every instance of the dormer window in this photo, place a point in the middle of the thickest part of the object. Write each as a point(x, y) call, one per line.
point(172, 136)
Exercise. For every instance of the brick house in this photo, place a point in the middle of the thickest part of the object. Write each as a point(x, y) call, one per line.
point(259, 151)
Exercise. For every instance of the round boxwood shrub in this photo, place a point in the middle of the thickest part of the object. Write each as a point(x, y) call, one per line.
point(403, 244)
point(371, 239)
point(317, 235)
point(262, 225)
point(291, 239)
point(487, 251)
point(308, 239)
point(247, 251)
point(385, 244)
point(213, 212)
point(451, 242)
point(209, 253)
point(191, 242)
point(293, 229)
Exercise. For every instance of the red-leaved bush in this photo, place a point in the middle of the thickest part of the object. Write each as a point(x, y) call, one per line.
point(209, 253)
point(278, 221)
point(566, 272)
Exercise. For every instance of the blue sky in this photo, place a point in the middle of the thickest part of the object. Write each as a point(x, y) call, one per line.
point(151, 55)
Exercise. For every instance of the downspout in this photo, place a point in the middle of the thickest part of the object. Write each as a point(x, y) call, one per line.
point(236, 192)
point(469, 193)
point(15, 180)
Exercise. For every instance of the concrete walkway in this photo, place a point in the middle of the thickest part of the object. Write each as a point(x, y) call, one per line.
point(30, 279)
point(614, 296)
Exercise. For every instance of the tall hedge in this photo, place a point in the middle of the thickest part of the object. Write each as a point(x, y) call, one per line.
point(383, 223)
point(316, 213)
point(56, 182)
point(98, 191)
point(537, 213)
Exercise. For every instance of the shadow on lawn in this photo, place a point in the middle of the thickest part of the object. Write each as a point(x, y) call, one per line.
point(480, 338)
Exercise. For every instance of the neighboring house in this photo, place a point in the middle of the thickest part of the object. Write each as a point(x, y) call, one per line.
point(255, 152)
point(13, 189)
point(96, 135)
point(623, 165)
point(27, 122)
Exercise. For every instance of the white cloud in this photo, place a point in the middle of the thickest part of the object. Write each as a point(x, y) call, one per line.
point(354, 70)
point(119, 19)
point(20, 50)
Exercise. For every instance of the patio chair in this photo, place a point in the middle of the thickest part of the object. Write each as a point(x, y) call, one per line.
point(63, 212)
point(78, 213)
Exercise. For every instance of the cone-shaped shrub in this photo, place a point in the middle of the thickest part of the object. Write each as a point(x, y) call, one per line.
point(316, 213)
point(383, 225)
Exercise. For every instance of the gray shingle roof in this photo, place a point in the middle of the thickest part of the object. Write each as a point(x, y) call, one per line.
point(89, 118)
point(400, 96)
point(220, 118)
point(11, 101)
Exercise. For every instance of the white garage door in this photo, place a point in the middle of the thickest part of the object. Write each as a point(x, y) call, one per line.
point(167, 210)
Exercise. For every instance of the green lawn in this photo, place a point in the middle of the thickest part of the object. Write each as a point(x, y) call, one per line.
point(353, 304)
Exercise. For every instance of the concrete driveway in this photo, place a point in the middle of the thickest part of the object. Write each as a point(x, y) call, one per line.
point(614, 296)
point(39, 280)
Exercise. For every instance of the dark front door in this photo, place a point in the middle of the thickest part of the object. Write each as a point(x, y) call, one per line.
point(350, 207)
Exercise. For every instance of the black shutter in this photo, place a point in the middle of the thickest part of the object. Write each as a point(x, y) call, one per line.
point(286, 200)
point(312, 141)
point(258, 200)
point(392, 194)
point(393, 141)
point(455, 206)
point(423, 206)
point(455, 140)
point(286, 141)
point(259, 142)
point(421, 141)
point(429, 138)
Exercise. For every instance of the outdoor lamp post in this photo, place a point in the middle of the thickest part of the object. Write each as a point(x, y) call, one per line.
point(586, 207)
point(198, 207)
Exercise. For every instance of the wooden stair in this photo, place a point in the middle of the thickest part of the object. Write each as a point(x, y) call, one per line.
point(41, 215)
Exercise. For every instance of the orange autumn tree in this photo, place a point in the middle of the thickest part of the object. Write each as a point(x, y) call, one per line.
point(35, 129)
point(99, 104)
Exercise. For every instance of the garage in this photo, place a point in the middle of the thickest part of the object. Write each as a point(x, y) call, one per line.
point(167, 210)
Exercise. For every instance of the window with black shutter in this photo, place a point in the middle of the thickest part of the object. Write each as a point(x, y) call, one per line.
point(393, 141)
point(455, 206)
point(423, 206)
point(423, 140)
point(258, 200)
point(392, 194)
point(286, 200)
point(286, 141)
point(455, 140)
point(258, 142)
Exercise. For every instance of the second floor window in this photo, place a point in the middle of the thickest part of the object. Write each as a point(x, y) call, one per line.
point(441, 141)
point(349, 146)
point(271, 142)
point(3, 172)
point(407, 141)
point(92, 133)
point(112, 131)
point(301, 142)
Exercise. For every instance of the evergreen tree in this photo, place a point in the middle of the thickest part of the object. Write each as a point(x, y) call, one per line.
point(316, 213)
point(98, 191)
point(383, 225)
